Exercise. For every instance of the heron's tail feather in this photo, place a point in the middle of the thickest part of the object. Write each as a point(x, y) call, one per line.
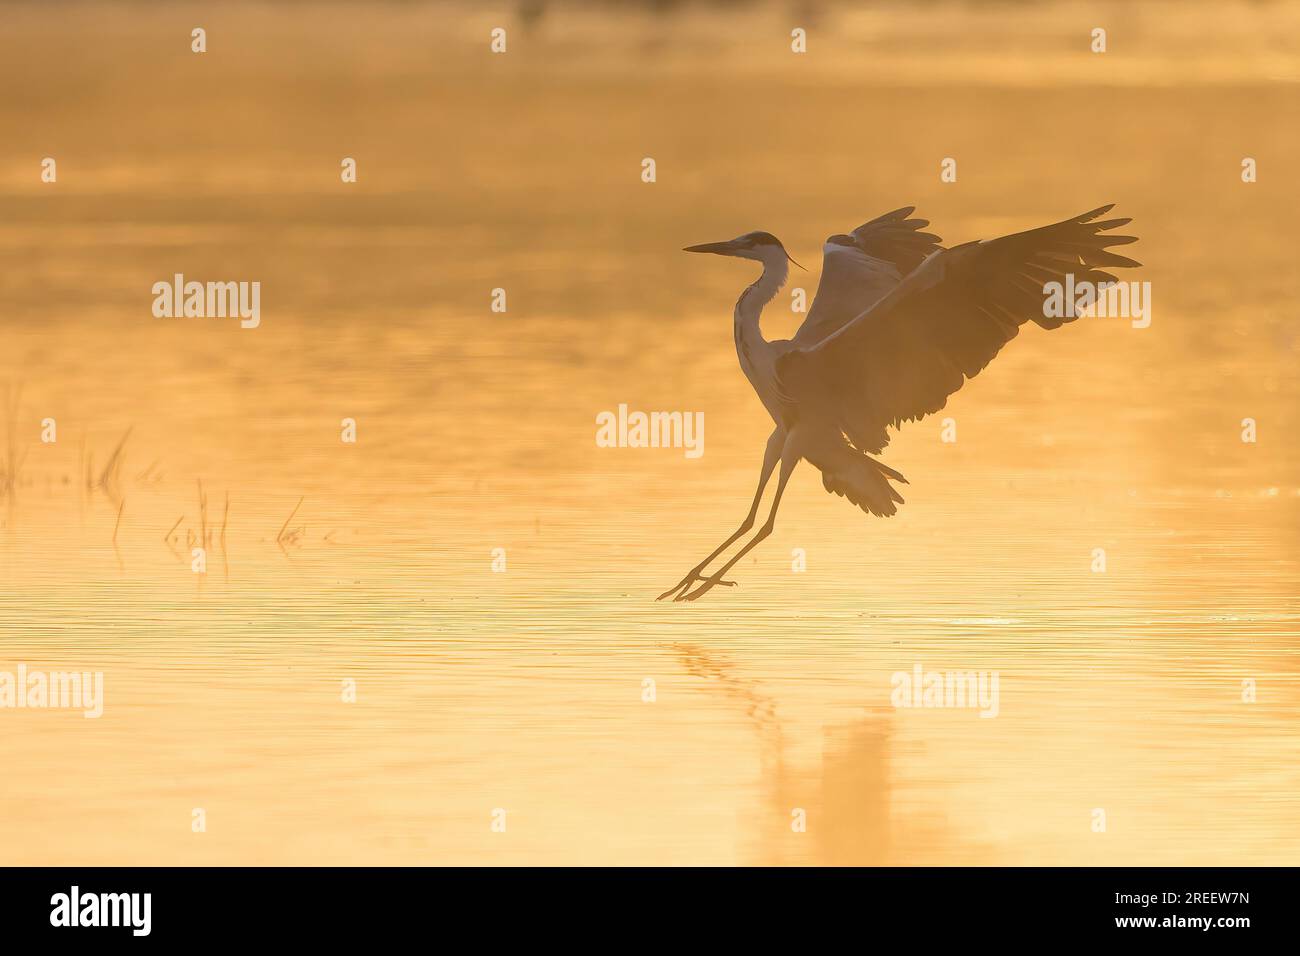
point(860, 478)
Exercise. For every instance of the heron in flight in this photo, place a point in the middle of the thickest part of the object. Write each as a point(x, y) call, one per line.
point(898, 324)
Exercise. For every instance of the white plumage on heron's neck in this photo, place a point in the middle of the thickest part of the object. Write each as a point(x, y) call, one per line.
point(756, 354)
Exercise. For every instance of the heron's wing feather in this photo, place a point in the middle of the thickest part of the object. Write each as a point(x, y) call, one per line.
point(861, 268)
point(851, 283)
point(901, 359)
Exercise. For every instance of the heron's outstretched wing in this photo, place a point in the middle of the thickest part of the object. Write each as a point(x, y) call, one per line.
point(858, 270)
point(901, 359)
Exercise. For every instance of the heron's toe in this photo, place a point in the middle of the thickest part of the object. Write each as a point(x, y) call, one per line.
point(681, 585)
point(704, 588)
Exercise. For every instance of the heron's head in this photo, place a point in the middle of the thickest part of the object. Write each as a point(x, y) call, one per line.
point(760, 246)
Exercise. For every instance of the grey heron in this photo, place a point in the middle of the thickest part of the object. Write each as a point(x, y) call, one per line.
point(898, 324)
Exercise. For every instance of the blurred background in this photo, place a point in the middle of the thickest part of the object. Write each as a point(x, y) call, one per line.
point(523, 690)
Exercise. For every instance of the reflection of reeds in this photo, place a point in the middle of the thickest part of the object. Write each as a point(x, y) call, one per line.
point(109, 478)
point(76, 481)
point(117, 524)
point(205, 535)
point(286, 536)
point(170, 536)
point(203, 541)
point(13, 460)
point(225, 558)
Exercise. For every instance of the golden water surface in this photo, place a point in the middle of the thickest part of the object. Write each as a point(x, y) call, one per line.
point(528, 690)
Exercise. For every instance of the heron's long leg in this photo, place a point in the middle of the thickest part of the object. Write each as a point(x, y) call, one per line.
point(789, 458)
point(771, 456)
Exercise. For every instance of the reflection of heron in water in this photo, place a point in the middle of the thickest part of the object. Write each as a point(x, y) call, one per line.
point(847, 802)
point(898, 324)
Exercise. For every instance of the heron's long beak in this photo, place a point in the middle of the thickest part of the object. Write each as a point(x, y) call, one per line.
point(717, 248)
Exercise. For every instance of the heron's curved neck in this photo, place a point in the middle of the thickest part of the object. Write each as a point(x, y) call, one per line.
point(750, 304)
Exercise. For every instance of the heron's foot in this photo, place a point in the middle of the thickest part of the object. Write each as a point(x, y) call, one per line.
point(683, 585)
point(708, 584)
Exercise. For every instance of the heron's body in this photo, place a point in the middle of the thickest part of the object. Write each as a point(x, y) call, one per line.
point(898, 324)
